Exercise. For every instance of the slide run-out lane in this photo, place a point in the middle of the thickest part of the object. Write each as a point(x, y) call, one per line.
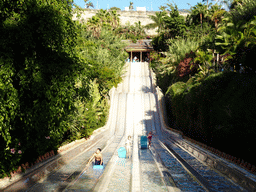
point(163, 167)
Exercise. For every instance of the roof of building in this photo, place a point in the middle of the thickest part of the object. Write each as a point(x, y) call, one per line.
point(143, 45)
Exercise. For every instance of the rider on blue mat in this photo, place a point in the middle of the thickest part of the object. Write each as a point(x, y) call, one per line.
point(98, 157)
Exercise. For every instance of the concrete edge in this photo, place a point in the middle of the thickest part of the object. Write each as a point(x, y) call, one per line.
point(37, 174)
point(41, 170)
point(220, 165)
point(165, 174)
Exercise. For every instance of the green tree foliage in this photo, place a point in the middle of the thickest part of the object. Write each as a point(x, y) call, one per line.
point(132, 32)
point(131, 6)
point(159, 42)
point(238, 40)
point(175, 23)
point(55, 75)
point(218, 111)
point(212, 100)
point(207, 3)
point(106, 55)
point(115, 9)
point(169, 26)
point(88, 4)
point(243, 10)
point(197, 14)
point(38, 70)
point(216, 14)
point(103, 18)
point(158, 21)
point(235, 3)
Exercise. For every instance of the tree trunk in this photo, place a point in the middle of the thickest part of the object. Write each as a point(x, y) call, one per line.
point(201, 20)
point(216, 23)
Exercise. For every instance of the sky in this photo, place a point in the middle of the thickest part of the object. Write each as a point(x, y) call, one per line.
point(105, 4)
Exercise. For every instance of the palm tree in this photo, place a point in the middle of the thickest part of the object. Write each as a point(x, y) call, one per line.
point(217, 15)
point(198, 10)
point(94, 25)
point(236, 39)
point(162, 8)
point(88, 4)
point(139, 28)
point(115, 18)
point(131, 6)
point(206, 2)
point(235, 3)
point(228, 3)
point(158, 21)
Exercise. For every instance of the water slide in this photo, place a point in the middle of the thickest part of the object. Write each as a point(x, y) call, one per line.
point(170, 164)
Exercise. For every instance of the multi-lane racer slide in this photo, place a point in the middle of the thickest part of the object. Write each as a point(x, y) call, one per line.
point(165, 166)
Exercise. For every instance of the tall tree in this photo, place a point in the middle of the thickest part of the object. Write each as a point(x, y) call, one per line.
point(131, 6)
point(158, 21)
point(37, 70)
point(197, 13)
point(206, 3)
point(216, 14)
point(88, 4)
point(175, 23)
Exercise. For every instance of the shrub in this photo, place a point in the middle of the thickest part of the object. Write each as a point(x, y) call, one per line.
point(218, 111)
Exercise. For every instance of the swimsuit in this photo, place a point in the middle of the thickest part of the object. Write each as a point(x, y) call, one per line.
point(150, 137)
point(98, 162)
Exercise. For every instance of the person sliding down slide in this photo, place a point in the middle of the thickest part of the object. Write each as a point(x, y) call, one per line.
point(128, 145)
point(98, 157)
point(150, 137)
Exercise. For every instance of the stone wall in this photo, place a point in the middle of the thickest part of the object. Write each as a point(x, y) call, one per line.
point(128, 17)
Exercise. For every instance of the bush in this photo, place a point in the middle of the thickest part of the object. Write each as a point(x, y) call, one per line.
point(219, 111)
point(55, 75)
point(38, 68)
point(245, 11)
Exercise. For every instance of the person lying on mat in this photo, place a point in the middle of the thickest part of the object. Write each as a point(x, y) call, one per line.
point(98, 157)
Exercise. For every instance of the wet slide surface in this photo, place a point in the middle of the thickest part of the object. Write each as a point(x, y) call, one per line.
point(163, 167)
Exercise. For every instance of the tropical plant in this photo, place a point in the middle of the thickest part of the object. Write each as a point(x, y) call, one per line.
point(38, 68)
point(216, 14)
point(158, 21)
point(115, 9)
point(205, 65)
point(235, 3)
point(177, 52)
point(197, 13)
point(88, 4)
point(207, 1)
point(238, 40)
point(162, 8)
point(103, 18)
point(245, 10)
point(131, 6)
point(175, 23)
point(159, 42)
point(132, 32)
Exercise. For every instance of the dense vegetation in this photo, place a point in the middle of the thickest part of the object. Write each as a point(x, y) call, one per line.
point(208, 100)
point(110, 19)
point(55, 75)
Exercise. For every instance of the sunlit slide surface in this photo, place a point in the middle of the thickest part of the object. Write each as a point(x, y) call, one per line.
point(163, 166)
